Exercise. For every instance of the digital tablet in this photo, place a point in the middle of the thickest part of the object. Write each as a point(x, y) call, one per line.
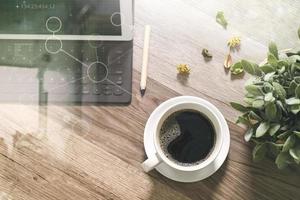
point(67, 19)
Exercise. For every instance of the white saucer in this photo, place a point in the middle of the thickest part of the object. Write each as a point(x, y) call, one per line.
point(175, 174)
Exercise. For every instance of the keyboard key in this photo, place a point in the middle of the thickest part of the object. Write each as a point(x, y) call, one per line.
point(96, 90)
point(106, 82)
point(117, 79)
point(118, 61)
point(107, 90)
point(118, 91)
point(85, 89)
point(85, 80)
point(106, 87)
point(119, 82)
point(115, 56)
point(119, 51)
point(117, 71)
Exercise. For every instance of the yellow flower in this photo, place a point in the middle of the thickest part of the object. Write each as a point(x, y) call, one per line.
point(234, 42)
point(183, 69)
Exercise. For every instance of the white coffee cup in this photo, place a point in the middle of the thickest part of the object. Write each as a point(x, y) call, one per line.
point(187, 103)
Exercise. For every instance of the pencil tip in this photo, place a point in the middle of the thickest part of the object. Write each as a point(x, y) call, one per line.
point(143, 92)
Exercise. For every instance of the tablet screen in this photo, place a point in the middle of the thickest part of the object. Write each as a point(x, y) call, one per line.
point(60, 17)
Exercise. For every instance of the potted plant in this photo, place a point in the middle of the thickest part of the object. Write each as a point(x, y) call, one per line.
point(271, 109)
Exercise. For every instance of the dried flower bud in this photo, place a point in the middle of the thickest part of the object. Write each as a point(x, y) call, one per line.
point(228, 61)
point(183, 69)
point(206, 54)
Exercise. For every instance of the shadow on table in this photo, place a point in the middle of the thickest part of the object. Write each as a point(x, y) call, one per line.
point(265, 181)
point(238, 178)
point(198, 190)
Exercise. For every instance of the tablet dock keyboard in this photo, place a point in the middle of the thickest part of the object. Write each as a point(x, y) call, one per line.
point(65, 71)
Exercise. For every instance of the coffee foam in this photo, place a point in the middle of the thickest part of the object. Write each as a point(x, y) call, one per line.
point(169, 131)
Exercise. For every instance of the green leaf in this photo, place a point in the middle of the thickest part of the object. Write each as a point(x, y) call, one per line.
point(248, 134)
point(251, 80)
point(297, 91)
point(258, 103)
point(278, 113)
point(272, 60)
point(293, 51)
point(268, 87)
point(295, 153)
point(274, 148)
point(273, 49)
point(282, 63)
point(239, 107)
point(284, 127)
point(292, 101)
point(296, 64)
point(220, 18)
point(251, 68)
point(269, 76)
point(248, 67)
point(259, 152)
point(295, 68)
point(281, 160)
point(253, 115)
point(249, 100)
point(297, 79)
point(271, 111)
point(248, 95)
point(269, 97)
point(255, 90)
point(279, 90)
point(262, 129)
point(267, 68)
point(299, 32)
point(297, 133)
point(280, 106)
point(283, 135)
point(236, 68)
point(292, 87)
point(292, 59)
point(243, 120)
point(289, 143)
point(281, 70)
point(295, 109)
point(273, 129)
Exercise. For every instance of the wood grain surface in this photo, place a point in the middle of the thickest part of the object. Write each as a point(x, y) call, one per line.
point(95, 152)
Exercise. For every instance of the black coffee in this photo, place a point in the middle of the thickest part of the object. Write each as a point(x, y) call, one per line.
point(187, 137)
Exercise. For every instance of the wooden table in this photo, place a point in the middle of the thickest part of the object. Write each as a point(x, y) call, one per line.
point(95, 152)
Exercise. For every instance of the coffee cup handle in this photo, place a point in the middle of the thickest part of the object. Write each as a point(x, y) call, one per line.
point(151, 163)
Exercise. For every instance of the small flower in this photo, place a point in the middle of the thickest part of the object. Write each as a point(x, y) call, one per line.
point(183, 69)
point(234, 42)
